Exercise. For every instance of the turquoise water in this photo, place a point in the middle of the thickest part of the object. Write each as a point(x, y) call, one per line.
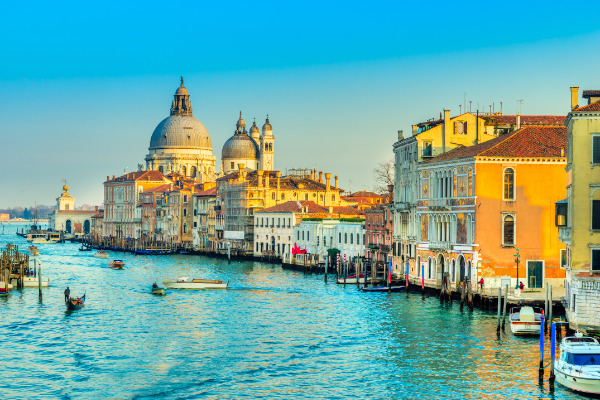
point(273, 333)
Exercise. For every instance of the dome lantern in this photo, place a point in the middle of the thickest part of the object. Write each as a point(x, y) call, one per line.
point(181, 103)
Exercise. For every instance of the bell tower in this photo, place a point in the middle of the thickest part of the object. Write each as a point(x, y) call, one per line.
point(267, 141)
point(65, 201)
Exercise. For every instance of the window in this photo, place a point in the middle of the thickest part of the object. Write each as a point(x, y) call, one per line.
point(324, 240)
point(305, 196)
point(351, 239)
point(340, 237)
point(308, 235)
point(357, 238)
point(318, 239)
point(509, 184)
point(282, 196)
point(333, 198)
point(563, 258)
point(232, 165)
point(302, 235)
point(345, 238)
point(185, 212)
point(272, 196)
point(596, 149)
point(508, 231)
point(460, 127)
point(185, 198)
point(195, 212)
point(596, 260)
point(595, 214)
point(195, 224)
point(427, 149)
point(184, 228)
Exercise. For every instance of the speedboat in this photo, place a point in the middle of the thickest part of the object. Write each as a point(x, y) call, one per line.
point(101, 254)
point(158, 291)
point(578, 367)
point(116, 264)
point(352, 279)
point(526, 320)
point(189, 283)
point(33, 250)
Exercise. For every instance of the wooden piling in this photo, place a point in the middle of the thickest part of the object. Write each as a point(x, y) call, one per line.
point(504, 306)
point(550, 306)
point(546, 309)
point(40, 282)
point(499, 308)
point(470, 295)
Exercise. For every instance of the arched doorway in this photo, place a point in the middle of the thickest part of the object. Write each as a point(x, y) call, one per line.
point(86, 226)
point(418, 265)
point(440, 267)
point(160, 169)
point(68, 226)
point(461, 267)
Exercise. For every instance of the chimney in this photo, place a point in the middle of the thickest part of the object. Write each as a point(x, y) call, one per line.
point(415, 130)
point(400, 135)
point(312, 174)
point(320, 176)
point(315, 174)
point(447, 129)
point(327, 180)
point(260, 177)
point(336, 180)
point(574, 97)
point(108, 177)
point(518, 121)
point(390, 193)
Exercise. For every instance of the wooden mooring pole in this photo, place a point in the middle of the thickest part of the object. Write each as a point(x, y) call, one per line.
point(504, 306)
point(499, 308)
point(40, 282)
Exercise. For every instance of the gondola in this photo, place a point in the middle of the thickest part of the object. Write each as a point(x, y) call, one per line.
point(75, 303)
point(383, 289)
point(85, 248)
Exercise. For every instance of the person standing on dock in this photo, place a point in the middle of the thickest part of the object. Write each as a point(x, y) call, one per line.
point(481, 283)
point(67, 294)
point(521, 286)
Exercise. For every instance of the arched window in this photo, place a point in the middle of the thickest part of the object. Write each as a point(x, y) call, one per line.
point(509, 184)
point(160, 169)
point(282, 196)
point(184, 227)
point(305, 196)
point(193, 172)
point(508, 231)
point(183, 171)
point(185, 212)
point(453, 277)
point(429, 268)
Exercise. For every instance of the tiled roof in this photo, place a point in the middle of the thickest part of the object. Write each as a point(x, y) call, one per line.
point(526, 119)
point(209, 192)
point(149, 175)
point(595, 106)
point(531, 141)
point(313, 208)
point(357, 200)
point(286, 182)
point(364, 193)
point(590, 93)
point(158, 189)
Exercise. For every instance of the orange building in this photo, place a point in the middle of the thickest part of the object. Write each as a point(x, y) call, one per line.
point(482, 207)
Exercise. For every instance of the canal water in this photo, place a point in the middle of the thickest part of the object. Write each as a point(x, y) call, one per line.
point(273, 334)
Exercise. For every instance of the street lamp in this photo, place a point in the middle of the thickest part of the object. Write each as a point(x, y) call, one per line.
point(517, 258)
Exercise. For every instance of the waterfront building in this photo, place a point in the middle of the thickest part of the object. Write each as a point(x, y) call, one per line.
point(379, 227)
point(578, 216)
point(66, 218)
point(122, 207)
point(149, 199)
point(482, 207)
point(255, 151)
point(180, 143)
point(204, 218)
point(429, 139)
point(244, 192)
point(97, 220)
point(274, 226)
point(327, 237)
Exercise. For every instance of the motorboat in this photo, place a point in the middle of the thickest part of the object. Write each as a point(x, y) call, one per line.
point(3, 287)
point(33, 250)
point(158, 291)
point(578, 367)
point(526, 320)
point(33, 236)
point(75, 303)
point(383, 289)
point(33, 281)
point(189, 283)
point(39, 240)
point(101, 254)
point(352, 279)
point(116, 264)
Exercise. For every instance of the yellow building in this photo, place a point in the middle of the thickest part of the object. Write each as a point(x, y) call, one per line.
point(578, 216)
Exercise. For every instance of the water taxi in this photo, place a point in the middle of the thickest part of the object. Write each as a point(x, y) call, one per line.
point(578, 367)
point(526, 320)
point(101, 254)
point(189, 283)
point(116, 264)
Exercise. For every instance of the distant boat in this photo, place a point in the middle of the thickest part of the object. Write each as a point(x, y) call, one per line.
point(188, 283)
point(383, 289)
point(33, 250)
point(158, 291)
point(75, 303)
point(352, 279)
point(578, 366)
point(526, 320)
point(85, 248)
point(3, 288)
point(116, 264)
point(101, 254)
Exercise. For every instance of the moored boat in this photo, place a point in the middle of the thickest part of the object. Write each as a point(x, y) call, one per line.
point(578, 367)
point(116, 264)
point(32, 281)
point(189, 283)
point(75, 303)
point(33, 250)
point(383, 289)
point(352, 279)
point(3, 287)
point(39, 240)
point(526, 320)
point(101, 254)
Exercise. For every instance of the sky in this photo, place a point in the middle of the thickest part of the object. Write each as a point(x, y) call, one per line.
point(84, 84)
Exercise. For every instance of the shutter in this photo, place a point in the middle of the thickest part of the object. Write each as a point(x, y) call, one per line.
point(595, 260)
point(595, 214)
point(456, 127)
point(465, 127)
point(596, 150)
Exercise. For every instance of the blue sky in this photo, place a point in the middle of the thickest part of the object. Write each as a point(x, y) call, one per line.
point(84, 84)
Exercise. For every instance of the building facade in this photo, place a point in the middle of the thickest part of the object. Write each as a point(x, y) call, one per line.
point(68, 220)
point(255, 150)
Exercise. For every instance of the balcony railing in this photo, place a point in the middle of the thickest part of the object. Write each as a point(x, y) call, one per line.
point(435, 245)
point(564, 234)
point(403, 207)
point(440, 204)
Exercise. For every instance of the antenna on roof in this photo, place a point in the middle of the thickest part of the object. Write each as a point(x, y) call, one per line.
point(460, 109)
point(520, 105)
point(500, 108)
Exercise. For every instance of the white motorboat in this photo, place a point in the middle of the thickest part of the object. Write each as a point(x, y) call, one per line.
point(3, 287)
point(33, 281)
point(101, 254)
point(578, 367)
point(189, 283)
point(526, 320)
point(352, 279)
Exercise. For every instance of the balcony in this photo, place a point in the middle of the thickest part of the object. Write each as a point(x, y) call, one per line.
point(564, 234)
point(440, 204)
point(443, 246)
point(403, 207)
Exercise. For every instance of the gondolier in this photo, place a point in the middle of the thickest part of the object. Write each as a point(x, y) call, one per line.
point(67, 294)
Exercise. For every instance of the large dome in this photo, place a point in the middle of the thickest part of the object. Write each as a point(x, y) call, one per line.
point(241, 147)
point(180, 131)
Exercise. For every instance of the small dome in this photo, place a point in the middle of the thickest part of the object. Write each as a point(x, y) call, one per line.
point(240, 147)
point(181, 90)
point(267, 126)
point(241, 123)
point(65, 188)
point(254, 128)
point(180, 131)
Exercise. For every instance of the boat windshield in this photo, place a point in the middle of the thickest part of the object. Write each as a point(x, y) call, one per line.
point(583, 359)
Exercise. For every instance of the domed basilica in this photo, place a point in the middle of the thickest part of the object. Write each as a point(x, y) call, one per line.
point(180, 143)
point(253, 150)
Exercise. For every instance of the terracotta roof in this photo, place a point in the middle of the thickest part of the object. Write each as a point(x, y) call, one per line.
point(531, 141)
point(149, 175)
point(162, 188)
point(209, 192)
point(313, 208)
point(364, 193)
point(595, 106)
point(590, 93)
point(527, 119)
point(357, 200)
point(286, 182)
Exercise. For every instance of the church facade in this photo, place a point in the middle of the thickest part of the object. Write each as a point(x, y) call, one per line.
point(180, 143)
point(66, 218)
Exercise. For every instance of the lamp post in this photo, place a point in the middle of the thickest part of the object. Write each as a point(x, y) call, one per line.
point(517, 258)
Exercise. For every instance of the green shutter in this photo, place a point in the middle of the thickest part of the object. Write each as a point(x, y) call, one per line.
point(596, 150)
point(595, 214)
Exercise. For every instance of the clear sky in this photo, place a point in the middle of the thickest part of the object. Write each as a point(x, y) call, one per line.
point(84, 84)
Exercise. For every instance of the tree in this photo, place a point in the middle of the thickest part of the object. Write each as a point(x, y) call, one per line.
point(383, 175)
